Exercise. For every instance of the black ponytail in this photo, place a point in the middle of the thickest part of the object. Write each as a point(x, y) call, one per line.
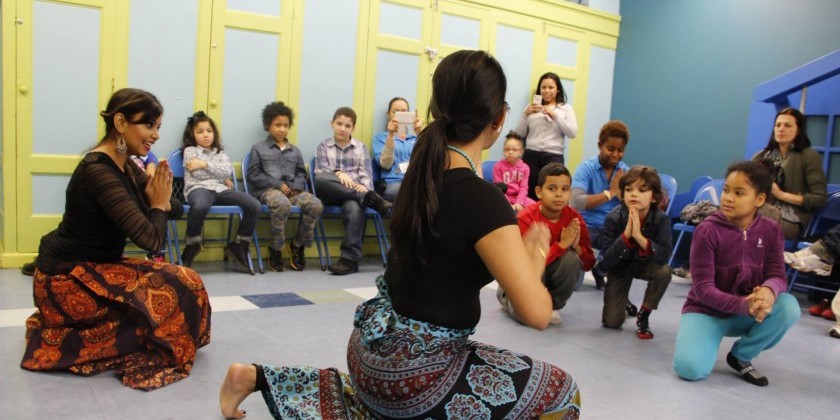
point(468, 92)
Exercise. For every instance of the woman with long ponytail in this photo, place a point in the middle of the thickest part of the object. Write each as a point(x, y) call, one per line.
point(410, 354)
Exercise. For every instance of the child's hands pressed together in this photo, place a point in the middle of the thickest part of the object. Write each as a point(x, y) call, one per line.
point(285, 189)
point(570, 234)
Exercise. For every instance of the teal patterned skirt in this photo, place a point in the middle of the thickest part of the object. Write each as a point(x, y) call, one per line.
point(403, 368)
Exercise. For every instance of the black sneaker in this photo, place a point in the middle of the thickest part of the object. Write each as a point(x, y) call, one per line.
point(239, 252)
point(28, 269)
point(275, 259)
point(343, 267)
point(190, 251)
point(376, 202)
point(297, 260)
point(643, 322)
point(631, 309)
point(599, 278)
point(746, 370)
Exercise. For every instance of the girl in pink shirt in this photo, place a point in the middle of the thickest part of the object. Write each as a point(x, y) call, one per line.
point(513, 172)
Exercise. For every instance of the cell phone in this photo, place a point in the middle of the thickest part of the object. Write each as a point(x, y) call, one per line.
point(404, 120)
point(538, 99)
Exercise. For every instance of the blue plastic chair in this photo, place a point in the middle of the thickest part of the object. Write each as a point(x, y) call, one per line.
point(711, 191)
point(487, 170)
point(293, 211)
point(683, 199)
point(176, 164)
point(823, 220)
point(669, 183)
point(335, 212)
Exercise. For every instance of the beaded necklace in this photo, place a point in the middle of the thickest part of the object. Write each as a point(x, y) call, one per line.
point(461, 152)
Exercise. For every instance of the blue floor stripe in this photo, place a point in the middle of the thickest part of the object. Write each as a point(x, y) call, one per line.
point(275, 300)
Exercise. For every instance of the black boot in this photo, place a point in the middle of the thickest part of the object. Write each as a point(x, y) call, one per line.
point(376, 202)
point(275, 259)
point(190, 251)
point(297, 260)
point(28, 269)
point(239, 252)
point(631, 309)
point(344, 266)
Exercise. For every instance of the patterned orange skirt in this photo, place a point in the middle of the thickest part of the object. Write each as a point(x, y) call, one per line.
point(144, 319)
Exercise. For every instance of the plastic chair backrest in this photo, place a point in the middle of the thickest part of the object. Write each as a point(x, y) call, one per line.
point(711, 191)
point(487, 170)
point(685, 198)
point(246, 161)
point(826, 218)
point(176, 163)
point(670, 186)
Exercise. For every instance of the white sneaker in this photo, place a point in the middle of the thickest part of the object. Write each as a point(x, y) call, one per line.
point(790, 258)
point(555, 317)
point(806, 261)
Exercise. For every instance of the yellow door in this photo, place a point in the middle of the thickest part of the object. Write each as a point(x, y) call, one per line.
point(65, 71)
point(251, 62)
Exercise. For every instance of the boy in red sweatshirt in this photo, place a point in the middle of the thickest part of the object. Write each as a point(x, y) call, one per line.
point(570, 253)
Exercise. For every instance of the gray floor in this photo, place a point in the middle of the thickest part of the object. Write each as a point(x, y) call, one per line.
point(620, 376)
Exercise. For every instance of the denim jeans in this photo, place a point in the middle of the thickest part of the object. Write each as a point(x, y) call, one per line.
point(201, 200)
point(332, 193)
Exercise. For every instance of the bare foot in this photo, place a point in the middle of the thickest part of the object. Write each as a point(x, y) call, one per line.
point(239, 383)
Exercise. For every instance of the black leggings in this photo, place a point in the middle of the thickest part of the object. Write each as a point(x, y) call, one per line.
point(261, 384)
point(535, 161)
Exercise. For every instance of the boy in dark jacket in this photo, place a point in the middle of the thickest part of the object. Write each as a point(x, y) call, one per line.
point(636, 243)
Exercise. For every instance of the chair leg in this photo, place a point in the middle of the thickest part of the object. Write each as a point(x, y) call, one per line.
point(380, 236)
point(676, 247)
point(259, 253)
point(174, 226)
point(326, 245)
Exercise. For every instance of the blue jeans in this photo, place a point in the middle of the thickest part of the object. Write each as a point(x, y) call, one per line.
point(391, 190)
point(699, 337)
point(331, 192)
point(201, 199)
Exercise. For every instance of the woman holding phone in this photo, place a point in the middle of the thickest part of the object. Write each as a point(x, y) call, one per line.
point(545, 124)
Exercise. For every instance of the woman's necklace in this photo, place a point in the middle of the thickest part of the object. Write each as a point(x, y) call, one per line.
point(464, 155)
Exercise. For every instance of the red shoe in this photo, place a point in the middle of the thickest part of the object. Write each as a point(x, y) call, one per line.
point(829, 315)
point(818, 309)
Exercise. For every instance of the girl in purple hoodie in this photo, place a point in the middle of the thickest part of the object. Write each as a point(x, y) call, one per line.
point(738, 282)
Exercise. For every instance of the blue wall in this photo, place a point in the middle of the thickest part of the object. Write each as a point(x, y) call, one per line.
point(685, 72)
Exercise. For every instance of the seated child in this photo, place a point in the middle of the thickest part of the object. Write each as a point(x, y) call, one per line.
point(570, 253)
point(343, 178)
point(513, 173)
point(207, 182)
point(636, 243)
point(277, 177)
point(738, 282)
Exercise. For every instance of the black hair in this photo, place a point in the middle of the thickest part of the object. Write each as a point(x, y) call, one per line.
point(552, 169)
point(801, 141)
point(130, 102)
point(756, 173)
point(192, 121)
point(561, 93)
point(649, 177)
point(274, 110)
point(468, 94)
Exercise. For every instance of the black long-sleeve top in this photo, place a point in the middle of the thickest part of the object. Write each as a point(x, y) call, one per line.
point(104, 206)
